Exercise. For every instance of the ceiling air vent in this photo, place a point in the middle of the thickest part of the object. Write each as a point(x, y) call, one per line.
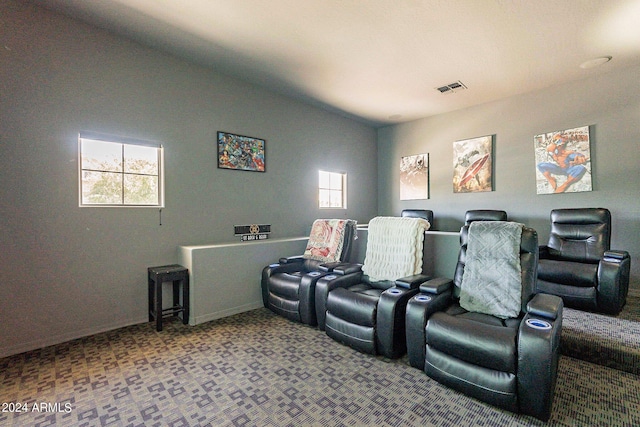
point(452, 87)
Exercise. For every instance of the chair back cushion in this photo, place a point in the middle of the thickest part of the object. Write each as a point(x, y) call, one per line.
point(492, 282)
point(329, 239)
point(580, 234)
point(394, 247)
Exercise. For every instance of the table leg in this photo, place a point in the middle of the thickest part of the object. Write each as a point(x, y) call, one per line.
point(158, 291)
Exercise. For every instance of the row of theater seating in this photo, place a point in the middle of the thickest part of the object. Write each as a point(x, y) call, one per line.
point(508, 361)
point(577, 264)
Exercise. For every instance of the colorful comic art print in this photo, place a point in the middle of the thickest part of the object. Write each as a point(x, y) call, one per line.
point(472, 165)
point(241, 152)
point(563, 161)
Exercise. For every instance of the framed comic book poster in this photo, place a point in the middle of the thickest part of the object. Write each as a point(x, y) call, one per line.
point(240, 152)
point(563, 161)
point(473, 165)
point(414, 177)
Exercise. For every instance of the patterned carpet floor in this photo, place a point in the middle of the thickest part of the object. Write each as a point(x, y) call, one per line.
point(604, 340)
point(258, 369)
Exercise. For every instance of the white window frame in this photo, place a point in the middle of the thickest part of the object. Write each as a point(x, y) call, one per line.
point(123, 142)
point(337, 186)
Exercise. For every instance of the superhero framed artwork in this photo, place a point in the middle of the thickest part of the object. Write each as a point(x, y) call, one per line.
point(414, 177)
point(473, 165)
point(241, 152)
point(563, 161)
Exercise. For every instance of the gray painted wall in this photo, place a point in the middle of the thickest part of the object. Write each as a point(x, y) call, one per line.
point(610, 104)
point(69, 271)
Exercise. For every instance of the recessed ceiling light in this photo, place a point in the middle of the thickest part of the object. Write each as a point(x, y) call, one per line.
point(596, 62)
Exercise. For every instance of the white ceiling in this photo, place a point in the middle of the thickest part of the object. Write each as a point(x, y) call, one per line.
point(380, 61)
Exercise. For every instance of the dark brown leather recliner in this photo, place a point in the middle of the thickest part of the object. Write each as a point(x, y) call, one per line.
point(507, 362)
point(288, 286)
point(578, 265)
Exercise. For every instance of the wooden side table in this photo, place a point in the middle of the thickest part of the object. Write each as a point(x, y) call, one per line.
point(168, 273)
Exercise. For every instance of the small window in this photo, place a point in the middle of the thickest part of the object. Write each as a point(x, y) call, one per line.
point(116, 171)
point(332, 190)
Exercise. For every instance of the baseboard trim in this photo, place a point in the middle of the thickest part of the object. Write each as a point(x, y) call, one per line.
point(225, 313)
point(62, 338)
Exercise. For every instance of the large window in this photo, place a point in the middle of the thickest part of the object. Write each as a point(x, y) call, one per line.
point(116, 171)
point(332, 190)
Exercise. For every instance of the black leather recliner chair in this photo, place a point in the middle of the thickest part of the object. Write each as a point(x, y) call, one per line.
point(507, 362)
point(288, 286)
point(368, 314)
point(578, 265)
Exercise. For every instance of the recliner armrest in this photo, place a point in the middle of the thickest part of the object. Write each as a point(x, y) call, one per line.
point(292, 259)
point(412, 282)
point(615, 255)
point(390, 319)
point(347, 268)
point(544, 305)
point(329, 266)
point(538, 355)
point(436, 286)
point(613, 281)
point(434, 296)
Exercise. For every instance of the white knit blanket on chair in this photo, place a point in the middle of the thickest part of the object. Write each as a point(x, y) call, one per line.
point(394, 247)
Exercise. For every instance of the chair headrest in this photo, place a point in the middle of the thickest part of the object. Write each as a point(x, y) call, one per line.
point(581, 216)
point(484, 215)
point(418, 213)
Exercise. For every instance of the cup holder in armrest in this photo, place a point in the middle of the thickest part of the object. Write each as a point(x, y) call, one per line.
point(422, 298)
point(538, 324)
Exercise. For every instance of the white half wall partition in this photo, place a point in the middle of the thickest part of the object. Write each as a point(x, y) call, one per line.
point(440, 251)
point(225, 278)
